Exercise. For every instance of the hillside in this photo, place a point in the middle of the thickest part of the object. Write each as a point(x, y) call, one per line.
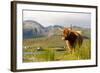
point(32, 29)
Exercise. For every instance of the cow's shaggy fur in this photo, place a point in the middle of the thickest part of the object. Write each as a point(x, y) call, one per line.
point(72, 39)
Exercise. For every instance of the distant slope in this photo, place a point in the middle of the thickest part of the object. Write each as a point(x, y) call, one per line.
point(33, 29)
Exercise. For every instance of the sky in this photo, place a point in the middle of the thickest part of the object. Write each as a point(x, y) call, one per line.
point(66, 19)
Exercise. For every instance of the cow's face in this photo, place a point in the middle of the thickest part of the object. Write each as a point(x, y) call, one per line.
point(66, 32)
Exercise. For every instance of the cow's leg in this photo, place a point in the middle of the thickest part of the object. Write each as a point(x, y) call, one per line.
point(68, 46)
point(73, 50)
point(70, 49)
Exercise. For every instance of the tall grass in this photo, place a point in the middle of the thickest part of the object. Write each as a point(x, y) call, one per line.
point(49, 52)
point(50, 55)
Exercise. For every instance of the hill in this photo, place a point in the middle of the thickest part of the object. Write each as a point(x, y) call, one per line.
point(32, 29)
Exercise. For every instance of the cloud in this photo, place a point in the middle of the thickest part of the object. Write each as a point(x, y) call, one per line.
point(59, 18)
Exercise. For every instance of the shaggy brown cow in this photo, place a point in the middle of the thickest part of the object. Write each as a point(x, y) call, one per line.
point(72, 38)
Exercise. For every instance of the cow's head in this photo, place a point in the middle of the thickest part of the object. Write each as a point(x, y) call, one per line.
point(65, 33)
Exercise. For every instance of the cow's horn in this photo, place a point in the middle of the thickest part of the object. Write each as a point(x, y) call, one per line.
point(60, 29)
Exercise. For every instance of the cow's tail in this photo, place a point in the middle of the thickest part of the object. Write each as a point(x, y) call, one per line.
point(80, 40)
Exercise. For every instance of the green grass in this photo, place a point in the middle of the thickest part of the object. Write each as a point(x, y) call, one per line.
point(49, 52)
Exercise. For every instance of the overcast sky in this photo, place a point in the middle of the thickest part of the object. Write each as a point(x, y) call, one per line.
point(66, 19)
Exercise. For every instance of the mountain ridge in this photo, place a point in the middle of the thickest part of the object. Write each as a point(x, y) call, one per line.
point(33, 29)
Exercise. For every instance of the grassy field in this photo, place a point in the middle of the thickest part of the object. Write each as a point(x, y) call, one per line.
point(53, 49)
